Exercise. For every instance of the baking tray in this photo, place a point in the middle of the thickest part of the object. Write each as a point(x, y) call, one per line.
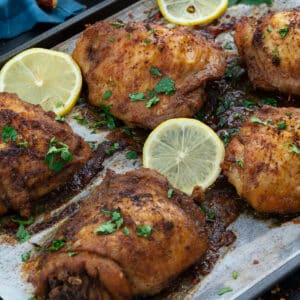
point(276, 249)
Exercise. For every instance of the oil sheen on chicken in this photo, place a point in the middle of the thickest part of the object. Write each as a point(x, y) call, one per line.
point(263, 160)
point(270, 47)
point(26, 131)
point(123, 263)
point(119, 63)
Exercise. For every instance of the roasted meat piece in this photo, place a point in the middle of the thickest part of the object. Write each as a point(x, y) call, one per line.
point(123, 65)
point(127, 239)
point(270, 47)
point(263, 160)
point(27, 134)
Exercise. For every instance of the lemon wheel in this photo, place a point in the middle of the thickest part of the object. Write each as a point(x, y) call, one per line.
point(186, 151)
point(192, 12)
point(46, 77)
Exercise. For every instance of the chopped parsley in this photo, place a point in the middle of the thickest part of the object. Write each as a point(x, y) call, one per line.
point(126, 230)
point(107, 94)
point(71, 254)
point(227, 135)
point(250, 2)
point(293, 148)
point(22, 234)
point(111, 39)
point(151, 31)
point(23, 222)
point(228, 46)
point(147, 41)
point(269, 101)
point(170, 193)
point(80, 120)
point(235, 275)
point(57, 155)
point(281, 126)
point(224, 290)
point(80, 101)
point(275, 52)
point(165, 86)
point(111, 225)
point(60, 119)
point(25, 256)
point(154, 100)
point(59, 104)
point(284, 31)
point(112, 149)
point(249, 103)
point(32, 298)
point(144, 230)
point(155, 71)
point(269, 28)
point(111, 121)
point(55, 245)
point(240, 163)
point(23, 144)
point(257, 120)
point(92, 145)
point(117, 24)
point(9, 134)
point(137, 97)
point(131, 154)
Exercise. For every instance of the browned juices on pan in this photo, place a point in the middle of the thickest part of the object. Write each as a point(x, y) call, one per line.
point(270, 47)
point(24, 175)
point(263, 163)
point(123, 264)
point(119, 59)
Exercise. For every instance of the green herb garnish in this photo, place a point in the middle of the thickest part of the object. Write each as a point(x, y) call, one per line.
point(147, 41)
point(131, 154)
point(281, 126)
point(57, 155)
point(249, 103)
point(126, 230)
point(155, 71)
point(25, 256)
point(117, 24)
point(235, 275)
point(293, 148)
point(23, 144)
point(111, 121)
point(170, 193)
point(224, 290)
point(137, 97)
point(257, 120)
point(55, 245)
point(165, 86)
point(269, 101)
point(284, 31)
point(154, 100)
point(269, 28)
point(111, 225)
point(80, 120)
point(240, 163)
point(107, 94)
point(144, 230)
point(112, 149)
point(71, 254)
point(22, 234)
point(9, 134)
point(59, 104)
point(250, 2)
point(60, 119)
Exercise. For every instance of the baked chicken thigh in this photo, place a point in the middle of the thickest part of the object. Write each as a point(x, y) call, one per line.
point(270, 47)
point(37, 153)
point(127, 239)
point(263, 160)
point(147, 73)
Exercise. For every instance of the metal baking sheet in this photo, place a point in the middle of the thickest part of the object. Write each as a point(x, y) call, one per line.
point(276, 249)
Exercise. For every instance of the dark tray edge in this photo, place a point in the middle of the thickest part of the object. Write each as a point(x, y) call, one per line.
point(69, 28)
point(278, 275)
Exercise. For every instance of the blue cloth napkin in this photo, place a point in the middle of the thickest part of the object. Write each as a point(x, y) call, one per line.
point(17, 16)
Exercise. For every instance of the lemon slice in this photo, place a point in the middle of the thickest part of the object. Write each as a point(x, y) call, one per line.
point(46, 77)
point(186, 151)
point(192, 12)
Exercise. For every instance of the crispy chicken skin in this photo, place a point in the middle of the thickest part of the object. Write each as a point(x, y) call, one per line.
point(120, 59)
point(24, 175)
point(116, 265)
point(270, 47)
point(263, 165)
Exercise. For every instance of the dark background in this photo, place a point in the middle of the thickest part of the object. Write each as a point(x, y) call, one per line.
point(288, 288)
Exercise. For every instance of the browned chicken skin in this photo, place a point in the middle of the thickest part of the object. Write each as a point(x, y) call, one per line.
point(24, 175)
point(119, 60)
point(263, 161)
point(119, 265)
point(270, 47)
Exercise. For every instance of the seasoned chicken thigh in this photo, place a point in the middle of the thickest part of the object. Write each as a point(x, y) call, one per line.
point(263, 160)
point(28, 134)
point(128, 239)
point(147, 73)
point(270, 47)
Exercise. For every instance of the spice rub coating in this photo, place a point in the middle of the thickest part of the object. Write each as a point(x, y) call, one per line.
point(263, 160)
point(270, 47)
point(119, 59)
point(123, 264)
point(24, 174)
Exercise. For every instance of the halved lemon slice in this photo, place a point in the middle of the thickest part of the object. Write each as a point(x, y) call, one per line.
point(186, 151)
point(46, 77)
point(192, 12)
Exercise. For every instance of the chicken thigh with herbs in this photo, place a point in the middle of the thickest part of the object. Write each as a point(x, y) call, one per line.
point(37, 153)
point(263, 160)
point(270, 47)
point(147, 73)
point(131, 237)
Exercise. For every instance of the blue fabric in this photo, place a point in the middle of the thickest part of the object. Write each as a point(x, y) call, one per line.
point(17, 16)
